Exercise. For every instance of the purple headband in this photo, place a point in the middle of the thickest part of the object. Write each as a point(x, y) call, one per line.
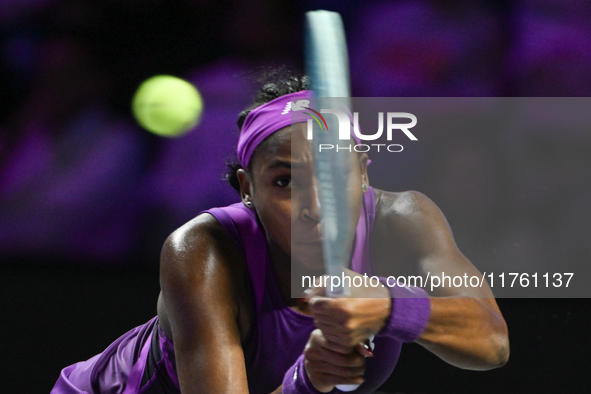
point(263, 121)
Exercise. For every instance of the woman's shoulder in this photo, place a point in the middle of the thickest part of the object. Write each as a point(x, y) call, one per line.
point(199, 260)
point(409, 225)
point(199, 242)
point(200, 256)
point(397, 207)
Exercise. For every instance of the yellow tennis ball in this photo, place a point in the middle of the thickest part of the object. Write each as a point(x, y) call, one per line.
point(167, 106)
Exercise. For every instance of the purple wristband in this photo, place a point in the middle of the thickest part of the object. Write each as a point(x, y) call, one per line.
point(410, 311)
point(296, 380)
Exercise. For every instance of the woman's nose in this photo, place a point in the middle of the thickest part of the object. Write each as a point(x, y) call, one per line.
point(311, 210)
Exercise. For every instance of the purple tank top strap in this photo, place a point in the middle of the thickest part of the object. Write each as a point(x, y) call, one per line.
point(361, 259)
point(242, 225)
point(369, 199)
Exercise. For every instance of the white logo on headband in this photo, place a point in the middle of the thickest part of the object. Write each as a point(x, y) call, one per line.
point(299, 105)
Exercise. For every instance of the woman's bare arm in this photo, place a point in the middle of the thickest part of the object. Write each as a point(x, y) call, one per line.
point(466, 327)
point(199, 291)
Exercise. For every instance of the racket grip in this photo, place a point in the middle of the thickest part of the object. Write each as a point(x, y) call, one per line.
point(347, 387)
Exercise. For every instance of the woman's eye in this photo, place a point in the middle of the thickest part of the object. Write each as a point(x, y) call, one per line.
point(283, 182)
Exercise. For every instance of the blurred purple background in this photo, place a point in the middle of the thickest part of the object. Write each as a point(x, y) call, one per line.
point(81, 183)
point(84, 189)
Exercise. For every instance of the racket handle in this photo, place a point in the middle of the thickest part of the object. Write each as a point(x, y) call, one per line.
point(347, 387)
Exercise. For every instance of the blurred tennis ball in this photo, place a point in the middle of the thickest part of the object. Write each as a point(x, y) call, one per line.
point(167, 106)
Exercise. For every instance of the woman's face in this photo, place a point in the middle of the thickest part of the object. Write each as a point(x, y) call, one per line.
point(284, 192)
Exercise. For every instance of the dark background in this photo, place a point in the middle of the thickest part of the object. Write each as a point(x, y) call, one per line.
point(87, 197)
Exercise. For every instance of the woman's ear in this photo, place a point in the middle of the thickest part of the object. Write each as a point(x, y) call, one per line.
point(363, 163)
point(245, 187)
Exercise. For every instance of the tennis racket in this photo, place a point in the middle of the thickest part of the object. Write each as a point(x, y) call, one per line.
point(327, 65)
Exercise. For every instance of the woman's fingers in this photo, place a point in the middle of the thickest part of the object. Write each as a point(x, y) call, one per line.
point(344, 342)
point(345, 335)
point(337, 344)
point(348, 321)
point(327, 379)
point(315, 366)
point(325, 342)
point(328, 364)
point(320, 349)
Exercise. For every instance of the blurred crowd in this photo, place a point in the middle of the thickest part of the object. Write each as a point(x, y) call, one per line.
point(82, 183)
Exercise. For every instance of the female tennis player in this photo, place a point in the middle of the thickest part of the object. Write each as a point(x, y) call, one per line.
point(226, 320)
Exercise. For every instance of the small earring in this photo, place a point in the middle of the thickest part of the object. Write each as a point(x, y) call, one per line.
point(248, 204)
point(364, 187)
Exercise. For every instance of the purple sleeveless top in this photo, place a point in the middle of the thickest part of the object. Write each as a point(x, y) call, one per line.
point(278, 334)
